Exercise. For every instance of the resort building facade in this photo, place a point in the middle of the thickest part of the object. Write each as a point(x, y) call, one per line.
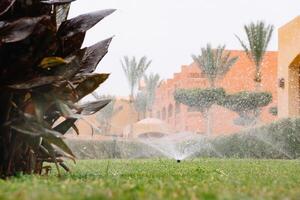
point(289, 69)
point(280, 76)
point(239, 78)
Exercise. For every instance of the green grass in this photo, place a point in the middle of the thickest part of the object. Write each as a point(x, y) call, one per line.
point(163, 179)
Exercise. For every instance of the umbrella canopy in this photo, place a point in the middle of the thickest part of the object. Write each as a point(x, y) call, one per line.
point(149, 127)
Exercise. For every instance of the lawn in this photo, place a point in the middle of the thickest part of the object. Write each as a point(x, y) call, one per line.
point(162, 179)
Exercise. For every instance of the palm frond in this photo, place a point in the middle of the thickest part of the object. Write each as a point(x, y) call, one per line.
point(214, 63)
point(258, 36)
point(134, 70)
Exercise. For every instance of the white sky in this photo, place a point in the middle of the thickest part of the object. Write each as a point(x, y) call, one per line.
point(169, 31)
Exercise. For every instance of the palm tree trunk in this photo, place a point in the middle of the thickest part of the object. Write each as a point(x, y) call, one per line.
point(131, 99)
point(212, 83)
point(257, 79)
point(257, 86)
point(209, 122)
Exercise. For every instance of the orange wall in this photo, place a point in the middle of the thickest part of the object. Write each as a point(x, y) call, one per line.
point(126, 115)
point(239, 78)
point(288, 68)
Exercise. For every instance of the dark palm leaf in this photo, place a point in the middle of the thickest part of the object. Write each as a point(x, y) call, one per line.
point(93, 107)
point(93, 55)
point(32, 127)
point(89, 83)
point(5, 5)
point(44, 73)
point(18, 30)
point(57, 2)
point(72, 32)
point(36, 82)
point(64, 126)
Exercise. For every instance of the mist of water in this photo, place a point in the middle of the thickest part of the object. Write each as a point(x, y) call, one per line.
point(178, 146)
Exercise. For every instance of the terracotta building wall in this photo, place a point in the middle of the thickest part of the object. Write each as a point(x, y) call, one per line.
point(88, 127)
point(239, 78)
point(288, 68)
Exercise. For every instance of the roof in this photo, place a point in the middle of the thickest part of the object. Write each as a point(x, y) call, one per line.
point(148, 126)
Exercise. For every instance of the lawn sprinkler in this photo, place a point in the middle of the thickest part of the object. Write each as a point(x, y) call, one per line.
point(178, 161)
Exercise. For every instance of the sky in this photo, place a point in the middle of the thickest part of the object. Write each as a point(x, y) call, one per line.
point(169, 31)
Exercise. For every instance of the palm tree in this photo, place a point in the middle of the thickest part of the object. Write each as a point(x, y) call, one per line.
point(134, 71)
point(258, 35)
point(214, 63)
point(140, 104)
point(151, 83)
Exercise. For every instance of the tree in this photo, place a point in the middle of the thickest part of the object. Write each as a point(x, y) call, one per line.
point(151, 83)
point(258, 38)
point(44, 73)
point(134, 70)
point(200, 100)
point(141, 103)
point(214, 63)
point(247, 104)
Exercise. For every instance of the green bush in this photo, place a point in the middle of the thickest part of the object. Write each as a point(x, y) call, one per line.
point(202, 99)
point(280, 139)
point(247, 105)
point(246, 101)
point(273, 110)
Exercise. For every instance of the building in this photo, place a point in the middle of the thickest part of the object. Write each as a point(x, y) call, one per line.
point(280, 76)
point(289, 69)
point(239, 78)
point(91, 127)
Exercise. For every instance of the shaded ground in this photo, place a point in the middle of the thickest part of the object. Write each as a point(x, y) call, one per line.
point(163, 179)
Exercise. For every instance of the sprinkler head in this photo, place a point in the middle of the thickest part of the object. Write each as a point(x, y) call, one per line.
point(178, 161)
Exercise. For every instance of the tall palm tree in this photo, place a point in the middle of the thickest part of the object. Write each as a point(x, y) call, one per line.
point(140, 104)
point(214, 63)
point(151, 83)
point(134, 71)
point(258, 35)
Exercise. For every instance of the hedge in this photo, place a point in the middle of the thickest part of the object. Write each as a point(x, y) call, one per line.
point(278, 140)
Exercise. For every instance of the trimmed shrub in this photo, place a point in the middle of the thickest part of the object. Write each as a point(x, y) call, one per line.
point(279, 140)
point(199, 98)
point(247, 105)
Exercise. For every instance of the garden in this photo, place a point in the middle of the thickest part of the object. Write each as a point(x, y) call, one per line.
point(49, 82)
